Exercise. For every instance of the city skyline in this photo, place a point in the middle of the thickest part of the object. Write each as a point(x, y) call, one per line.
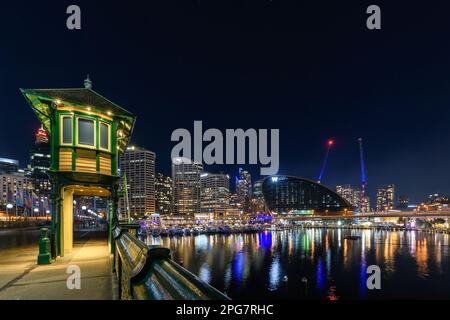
point(235, 176)
point(341, 84)
point(221, 151)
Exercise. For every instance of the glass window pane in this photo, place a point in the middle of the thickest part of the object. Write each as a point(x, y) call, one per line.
point(104, 137)
point(86, 132)
point(67, 130)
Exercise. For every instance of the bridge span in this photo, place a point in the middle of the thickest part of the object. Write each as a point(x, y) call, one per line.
point(394, 214)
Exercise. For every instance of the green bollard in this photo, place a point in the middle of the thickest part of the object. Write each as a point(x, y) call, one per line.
point(44, 248)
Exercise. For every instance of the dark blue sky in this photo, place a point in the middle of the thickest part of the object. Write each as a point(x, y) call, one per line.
point(309, 68)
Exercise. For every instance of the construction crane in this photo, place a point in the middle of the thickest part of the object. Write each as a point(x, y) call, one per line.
point(330, 143)
point(363, 172)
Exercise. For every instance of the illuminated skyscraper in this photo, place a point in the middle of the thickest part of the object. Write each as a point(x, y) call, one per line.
point(257, 202)
point(186, 186)
point(234, 201)
point(364, 204)
point(40, 163)
point(359, 202)
point(347, 192)
point(215, 193)
point(164, 194)
point(385, 198)
point(139, 166)
point(244, 189)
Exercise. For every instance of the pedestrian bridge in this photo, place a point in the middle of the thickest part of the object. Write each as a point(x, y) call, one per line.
point(392, 214)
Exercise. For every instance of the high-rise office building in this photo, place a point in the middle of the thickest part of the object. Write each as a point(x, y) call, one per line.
point(214, 193)
point(40, 163)
point(364, 204)
point(164, 194)
point(244, 189)
point(347, 192)
point(139, 166)
point(353, 196)
point(385, 198)
point(8, 166)
point(186, 186)
point(258, 204)
point(234, 201)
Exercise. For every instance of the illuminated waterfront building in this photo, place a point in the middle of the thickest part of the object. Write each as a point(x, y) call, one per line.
point(437, 198)
point(287, 194)
point(139, 166)
point(16, 189)
point(385, 198)
point(164, 194)
point(214, 193)
point(435, 201)
point(186, 186)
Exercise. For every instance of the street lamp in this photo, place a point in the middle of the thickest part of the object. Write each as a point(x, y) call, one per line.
point(9, 206)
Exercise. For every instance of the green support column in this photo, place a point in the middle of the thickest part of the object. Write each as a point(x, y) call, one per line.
point(44, 256)
point(113, 220)
point(55, 207)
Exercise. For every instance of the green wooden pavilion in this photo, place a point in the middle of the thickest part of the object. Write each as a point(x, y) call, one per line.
point(88, 133)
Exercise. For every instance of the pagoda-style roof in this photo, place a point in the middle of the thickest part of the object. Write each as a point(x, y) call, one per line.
point(45, 101)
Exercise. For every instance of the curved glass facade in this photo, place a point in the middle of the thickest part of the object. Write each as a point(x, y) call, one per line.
point(285, 194)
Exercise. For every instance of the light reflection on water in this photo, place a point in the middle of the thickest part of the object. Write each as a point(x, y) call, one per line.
point(271, 264)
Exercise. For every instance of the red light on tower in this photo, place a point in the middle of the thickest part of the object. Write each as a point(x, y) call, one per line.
point(330, 142)
point(41, 136)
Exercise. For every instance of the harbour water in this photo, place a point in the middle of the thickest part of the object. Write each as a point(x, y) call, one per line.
point(317, 263)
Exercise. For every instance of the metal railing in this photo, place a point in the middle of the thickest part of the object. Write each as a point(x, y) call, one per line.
point(148, 273)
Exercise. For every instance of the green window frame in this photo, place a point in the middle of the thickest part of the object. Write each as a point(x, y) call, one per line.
point(66, 130)
point(105, 136)
point(86, 132)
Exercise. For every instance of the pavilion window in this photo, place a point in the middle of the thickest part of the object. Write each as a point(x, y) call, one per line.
point(104, 136)
point(67, 130)
point(86, 132)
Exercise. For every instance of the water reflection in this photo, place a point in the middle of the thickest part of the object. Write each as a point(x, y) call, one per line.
point(274, 273)
point(271, 264)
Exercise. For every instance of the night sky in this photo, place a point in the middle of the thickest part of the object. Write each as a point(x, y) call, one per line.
point(310, 68)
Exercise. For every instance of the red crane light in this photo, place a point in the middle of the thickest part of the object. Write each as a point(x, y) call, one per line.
point(330, 142)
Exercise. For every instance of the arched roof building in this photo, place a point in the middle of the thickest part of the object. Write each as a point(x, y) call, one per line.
point(288, 194)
